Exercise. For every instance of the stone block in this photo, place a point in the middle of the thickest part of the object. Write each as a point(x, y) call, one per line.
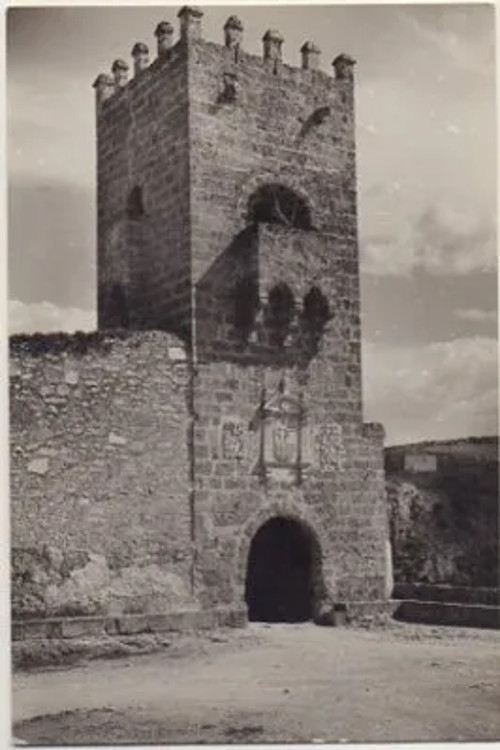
point(111, 626)
point(38, 466)
point(71, 377)
point(114, 439)
point(28, 629)
point(132, 624)
point(178, 621)
point(232, 617)
point(177, 353)
point(159, 622)
point(445, 593)
point(445, 613)
point(203, 619)
point(82, 627)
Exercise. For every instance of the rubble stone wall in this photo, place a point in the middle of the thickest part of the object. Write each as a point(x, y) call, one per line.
point(99, 499)
point(443, 507)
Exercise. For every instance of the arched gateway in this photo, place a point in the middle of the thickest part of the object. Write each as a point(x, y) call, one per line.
point(283, 577)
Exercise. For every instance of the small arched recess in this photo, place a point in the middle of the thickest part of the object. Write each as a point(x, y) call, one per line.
point(135, 203)
point(315, 310)
point(280, 312)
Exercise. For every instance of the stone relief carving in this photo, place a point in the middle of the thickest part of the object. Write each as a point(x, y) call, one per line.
point(330, 447)
point(281, 419)
point(232, 440)
point(284, 443)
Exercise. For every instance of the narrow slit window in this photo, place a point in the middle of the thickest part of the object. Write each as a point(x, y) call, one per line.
point(135, 203)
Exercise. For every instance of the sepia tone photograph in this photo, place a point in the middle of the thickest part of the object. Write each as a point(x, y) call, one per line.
point(253, 387)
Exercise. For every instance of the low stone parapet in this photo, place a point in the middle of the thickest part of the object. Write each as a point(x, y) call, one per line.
point(448, 613)
point(91, 627)
point(444, 593)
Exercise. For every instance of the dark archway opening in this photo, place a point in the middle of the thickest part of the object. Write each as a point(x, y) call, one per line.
point(276, 204)
point(279, 313)
point(316, 310)
point(283, 572)
point(246, 305)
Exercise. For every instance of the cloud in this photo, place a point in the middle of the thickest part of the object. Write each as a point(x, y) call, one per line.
point(442, 390)
point(449, 240)
point(444, 239)
point(477, 316)
point(51, 242)
point(461, 35)
point(45, 317)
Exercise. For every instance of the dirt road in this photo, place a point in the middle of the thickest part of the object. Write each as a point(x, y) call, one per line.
point(276, 683)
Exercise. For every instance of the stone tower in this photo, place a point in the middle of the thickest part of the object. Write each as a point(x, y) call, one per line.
point(227, 216)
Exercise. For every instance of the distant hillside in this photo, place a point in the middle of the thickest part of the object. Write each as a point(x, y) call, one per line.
point(443, 509)
point(479, 448)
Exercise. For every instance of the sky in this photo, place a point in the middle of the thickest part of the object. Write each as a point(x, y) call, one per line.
point(427, 172)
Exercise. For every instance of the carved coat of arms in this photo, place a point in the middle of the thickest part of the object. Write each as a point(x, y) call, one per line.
point(284, 435)
point(281, 421)
point(232, 440)
point(330, 447)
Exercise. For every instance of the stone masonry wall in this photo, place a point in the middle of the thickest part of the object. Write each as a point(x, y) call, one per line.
point(269, 255)
point(272, 132)
point(293, 127)
point(143, 142)
point(269, 134)
point(197, 158)
point(340, 497)
point(100, 517)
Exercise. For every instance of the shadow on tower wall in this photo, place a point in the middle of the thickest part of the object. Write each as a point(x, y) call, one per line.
point(237, 321)
point(227, 300)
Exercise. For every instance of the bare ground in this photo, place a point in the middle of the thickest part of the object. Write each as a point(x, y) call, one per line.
point(279, 683)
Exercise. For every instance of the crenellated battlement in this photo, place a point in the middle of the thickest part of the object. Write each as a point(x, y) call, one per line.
point(169, 50)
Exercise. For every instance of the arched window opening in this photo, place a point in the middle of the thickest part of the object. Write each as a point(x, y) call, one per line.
point(246, 304)
point(280, 312)
point(316, 310)
point(277, 204)
point(118, 307)
point(135, 203)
